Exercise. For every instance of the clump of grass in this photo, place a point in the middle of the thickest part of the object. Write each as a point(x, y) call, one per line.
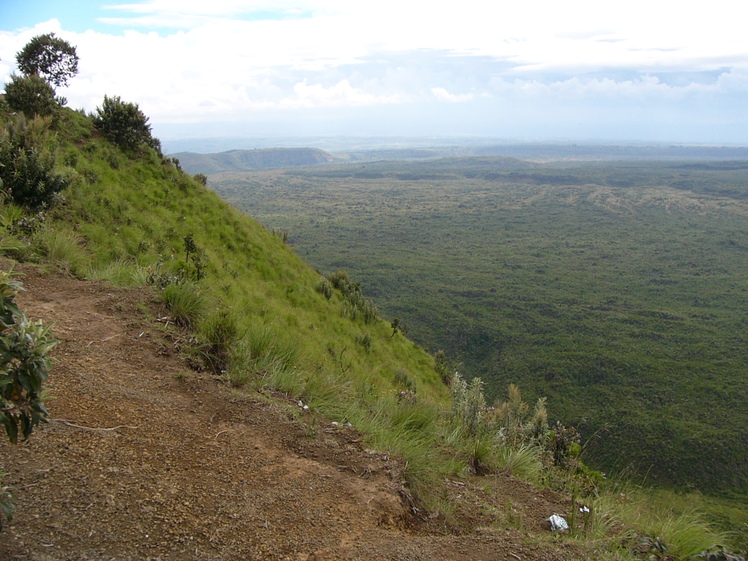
point(259, 340)
point(684, 535)
point(523, 461)
point(185, 302)
point(219, 332)
point(119, 272)
point(621, 514)
point(63, 247)
point(267, 349)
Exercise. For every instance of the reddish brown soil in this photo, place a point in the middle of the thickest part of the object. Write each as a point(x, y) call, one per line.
point(146, 459)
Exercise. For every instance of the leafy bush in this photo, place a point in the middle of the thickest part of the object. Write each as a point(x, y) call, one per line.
point(124, 124)
point(24, 364)
point(324, 287)
point(27, 166)
point(195, 259)
point(355, 305)
point(24, 367)
point(31, 95)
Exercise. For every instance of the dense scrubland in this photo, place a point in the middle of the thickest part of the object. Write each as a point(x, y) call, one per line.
point(93, 196)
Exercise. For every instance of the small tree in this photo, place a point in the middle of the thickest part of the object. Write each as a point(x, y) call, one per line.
point(124, 124)
point(31, 95)
point(50, 57)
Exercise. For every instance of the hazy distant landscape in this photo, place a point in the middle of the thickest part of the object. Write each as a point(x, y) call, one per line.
point(616, 287)
point(247, 154)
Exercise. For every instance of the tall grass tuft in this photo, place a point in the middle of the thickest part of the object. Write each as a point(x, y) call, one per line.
point(219, 332)
point(64, 247)
point(119, 272)
point(684, 535)
point(185, 302)
point(522, 461)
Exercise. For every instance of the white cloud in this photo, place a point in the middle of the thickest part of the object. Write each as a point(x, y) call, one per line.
point(443, 95)
point(341, 94)
point(192, 60)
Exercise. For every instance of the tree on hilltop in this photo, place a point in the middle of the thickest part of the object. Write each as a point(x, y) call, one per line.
point(50, 57)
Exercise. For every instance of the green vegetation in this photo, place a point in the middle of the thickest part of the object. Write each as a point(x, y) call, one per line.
point(616, 289)
point(124, 124)
point(31, 95)
point(24, 367)
point(24, 364)
point(46, 61)
point(50, 58)
point(27, 163)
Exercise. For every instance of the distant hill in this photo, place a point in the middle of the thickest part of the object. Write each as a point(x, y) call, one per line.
point(252, 160)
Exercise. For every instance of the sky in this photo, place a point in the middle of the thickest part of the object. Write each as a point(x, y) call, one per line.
point(579, 70)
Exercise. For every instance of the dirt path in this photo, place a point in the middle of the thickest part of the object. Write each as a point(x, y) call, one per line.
point(146, 459)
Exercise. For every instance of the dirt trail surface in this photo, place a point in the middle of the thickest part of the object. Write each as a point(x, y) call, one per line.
point(146, 459)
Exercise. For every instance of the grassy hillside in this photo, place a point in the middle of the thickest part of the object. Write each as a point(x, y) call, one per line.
point(616, 289)
point(247, 308)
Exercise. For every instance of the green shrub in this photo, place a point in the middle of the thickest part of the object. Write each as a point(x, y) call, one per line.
point(31, 95)
point(468, 404)
point(324, 287)
point(364, 341)
point(355, 305)
point(516, 424)
point(441, 367)
point(24, 367)
point(27, 166)
point(124, 124)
